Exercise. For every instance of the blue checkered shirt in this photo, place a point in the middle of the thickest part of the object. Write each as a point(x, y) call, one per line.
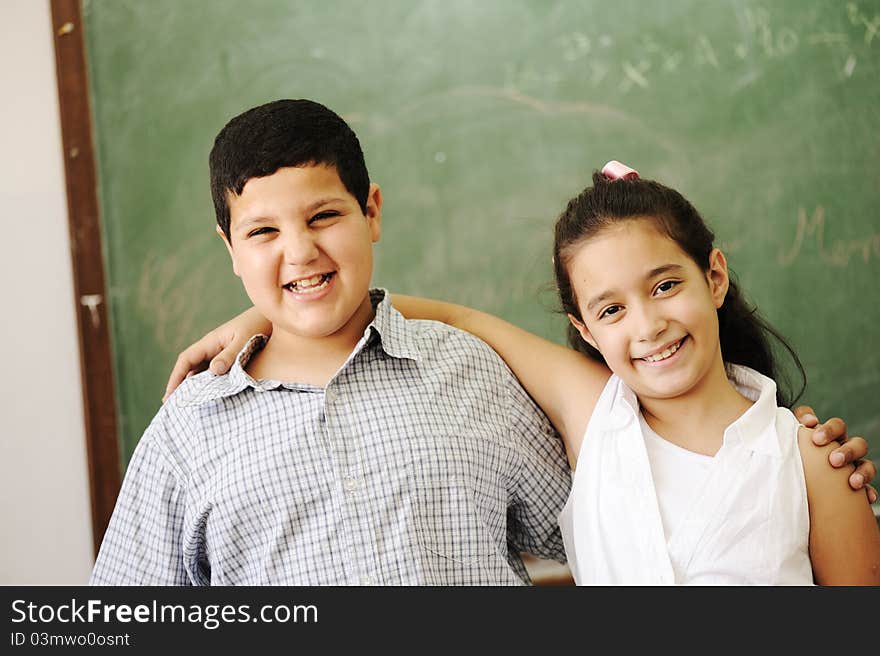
point(422, 462)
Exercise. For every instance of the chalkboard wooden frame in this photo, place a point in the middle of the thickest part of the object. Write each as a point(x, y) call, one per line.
point(96, 370)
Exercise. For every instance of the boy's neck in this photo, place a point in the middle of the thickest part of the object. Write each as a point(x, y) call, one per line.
point(696, 421)
point(293, 358)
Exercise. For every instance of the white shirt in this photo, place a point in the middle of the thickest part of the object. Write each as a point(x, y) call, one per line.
point(678, 476)
point(747, 523)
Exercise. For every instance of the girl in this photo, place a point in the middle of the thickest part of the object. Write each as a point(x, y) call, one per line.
point(686, 470)
point(685, 467)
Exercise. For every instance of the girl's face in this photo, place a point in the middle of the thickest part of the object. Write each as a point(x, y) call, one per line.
point(648, 308)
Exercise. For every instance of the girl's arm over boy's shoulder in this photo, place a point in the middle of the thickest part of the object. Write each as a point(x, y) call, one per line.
point(844, 536)
point(565, 383)
point(219, 347)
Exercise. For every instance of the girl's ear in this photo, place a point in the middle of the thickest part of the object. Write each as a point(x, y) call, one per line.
point(718, 277)
point(585, 334)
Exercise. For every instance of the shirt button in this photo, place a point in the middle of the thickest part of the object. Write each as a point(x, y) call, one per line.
point(350, 483)
point(366, 579)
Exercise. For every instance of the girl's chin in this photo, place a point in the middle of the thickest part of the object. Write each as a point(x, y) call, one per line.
point(669, 388)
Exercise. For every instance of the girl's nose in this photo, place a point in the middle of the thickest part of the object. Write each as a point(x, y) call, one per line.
point(650, 326)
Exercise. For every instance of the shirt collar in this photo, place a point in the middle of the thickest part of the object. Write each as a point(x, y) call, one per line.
point(395, 334)
point(398, 336)
point(748, 429)
point(624, 406)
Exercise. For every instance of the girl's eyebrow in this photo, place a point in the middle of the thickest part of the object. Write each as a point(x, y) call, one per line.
point(666, 268)
point(656, 271)
point(598, 299)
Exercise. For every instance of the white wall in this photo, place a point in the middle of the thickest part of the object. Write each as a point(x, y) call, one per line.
point(45, 525)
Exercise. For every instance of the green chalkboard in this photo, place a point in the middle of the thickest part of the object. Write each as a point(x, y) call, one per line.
point(479, 120)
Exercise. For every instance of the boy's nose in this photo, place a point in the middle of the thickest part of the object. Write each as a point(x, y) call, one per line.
point(300, 248)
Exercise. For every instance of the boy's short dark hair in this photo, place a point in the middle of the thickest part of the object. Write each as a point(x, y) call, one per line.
point(284, 133)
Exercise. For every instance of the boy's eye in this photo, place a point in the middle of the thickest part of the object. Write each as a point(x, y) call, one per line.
point(260, 231)
point(323, 215)
point(610, 311)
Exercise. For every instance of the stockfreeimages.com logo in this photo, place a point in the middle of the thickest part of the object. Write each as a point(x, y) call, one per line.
point(210, 616)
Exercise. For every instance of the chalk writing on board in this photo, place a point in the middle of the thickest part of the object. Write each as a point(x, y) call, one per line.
point(838, 253)
point(772, 41)
point(856, 17)
point(635, 67)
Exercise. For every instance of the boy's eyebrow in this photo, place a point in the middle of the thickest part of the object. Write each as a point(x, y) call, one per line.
point(311, 207)
point(251, 220)
point(656, 271)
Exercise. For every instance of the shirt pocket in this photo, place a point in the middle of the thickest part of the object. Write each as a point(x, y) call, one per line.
point(460, 509)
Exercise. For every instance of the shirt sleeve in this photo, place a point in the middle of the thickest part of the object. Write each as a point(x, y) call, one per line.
point(543, 482)
point(143, 544)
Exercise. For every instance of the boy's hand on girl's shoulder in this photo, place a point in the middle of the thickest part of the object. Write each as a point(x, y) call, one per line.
point(852, 450)
point(217, 349)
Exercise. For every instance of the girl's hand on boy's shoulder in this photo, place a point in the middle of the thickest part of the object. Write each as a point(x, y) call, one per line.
point(852, 450)
point(218, 348)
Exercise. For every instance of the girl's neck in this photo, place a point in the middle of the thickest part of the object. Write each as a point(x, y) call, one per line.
point(696, 420)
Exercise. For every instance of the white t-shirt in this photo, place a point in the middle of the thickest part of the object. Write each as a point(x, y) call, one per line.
point(741, 518)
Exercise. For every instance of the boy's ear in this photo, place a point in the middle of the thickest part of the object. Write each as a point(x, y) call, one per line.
point(228, 248)
point(374, 211)
point(718, 277)
point(586, 335)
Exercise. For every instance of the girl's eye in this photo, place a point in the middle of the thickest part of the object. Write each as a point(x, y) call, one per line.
point(666, 286)
point(610, 311)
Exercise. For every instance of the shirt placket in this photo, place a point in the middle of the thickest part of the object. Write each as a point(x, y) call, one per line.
point(345, 444)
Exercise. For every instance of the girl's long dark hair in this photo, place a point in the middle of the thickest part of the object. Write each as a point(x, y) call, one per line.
point(745, 336)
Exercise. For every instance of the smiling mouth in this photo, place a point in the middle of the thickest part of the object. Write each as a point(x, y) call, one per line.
point(310, 285)
point(666, 353)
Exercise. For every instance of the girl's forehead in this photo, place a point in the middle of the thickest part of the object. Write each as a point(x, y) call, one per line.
point(625, 252)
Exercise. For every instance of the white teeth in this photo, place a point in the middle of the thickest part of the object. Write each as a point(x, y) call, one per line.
point(306, 285)
point(662, 355)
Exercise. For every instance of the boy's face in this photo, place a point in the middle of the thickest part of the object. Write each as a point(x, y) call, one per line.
point(303, 248)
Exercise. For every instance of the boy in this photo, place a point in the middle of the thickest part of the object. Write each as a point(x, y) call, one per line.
point(404, 454)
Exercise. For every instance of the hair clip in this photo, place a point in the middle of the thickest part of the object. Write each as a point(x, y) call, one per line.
point(614, 170)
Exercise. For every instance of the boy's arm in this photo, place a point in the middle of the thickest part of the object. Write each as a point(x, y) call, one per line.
point(565, 383)
point(844, 536)
point(542, 483)
point(851, 449)
point(143, 544)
